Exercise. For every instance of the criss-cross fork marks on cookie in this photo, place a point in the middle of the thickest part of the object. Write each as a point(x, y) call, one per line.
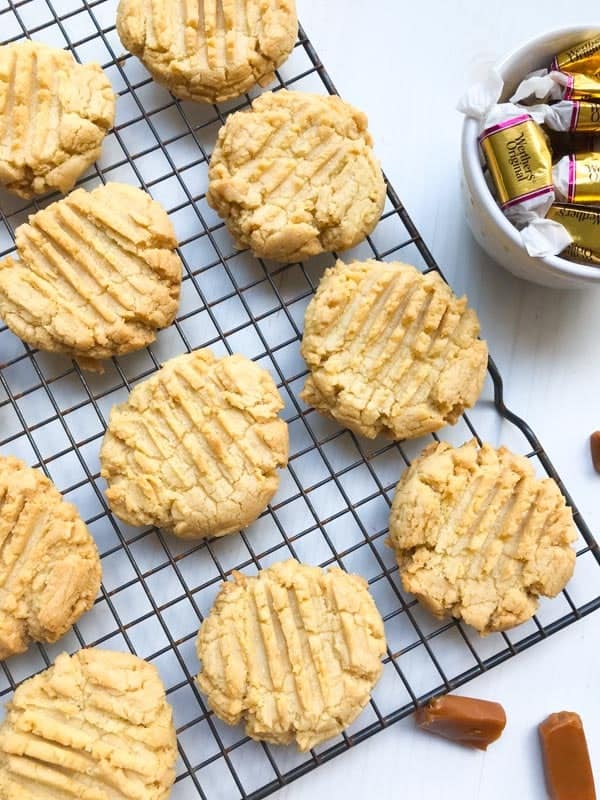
point(196, 448)
point(391, 351)
point(49, 565)
point(296, 176)
point(209, 50)
point(97, 276)
point(54, 115)
point(95, 725)
point(479, 537)
point(294, 651)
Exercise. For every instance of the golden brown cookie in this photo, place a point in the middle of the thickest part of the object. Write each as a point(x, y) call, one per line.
point(54, 115)
point(391, 351)
point(97, 274)
point(294, 652)
point(95, 726)
point(209, 51)
point(50, 569)
point(479, 537)
point(196, 447)
point(296, 176)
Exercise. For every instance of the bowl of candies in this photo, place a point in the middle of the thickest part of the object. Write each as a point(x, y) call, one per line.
point(531, 160)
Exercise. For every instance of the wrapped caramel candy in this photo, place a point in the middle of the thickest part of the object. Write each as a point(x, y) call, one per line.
point(573, 75)
point(583, 58)
point(576, 178)
point(583, 226)
point(520, 163)
point(574, 116)
point(546, 86)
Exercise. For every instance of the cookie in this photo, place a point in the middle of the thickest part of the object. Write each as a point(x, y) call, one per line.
point(391, 351)
point(479, 537)
point(97, 274)
point(94, 726)
point(296, 176)
point(54, 115)
point(196, 447)
point(294, 652)
point(209, 51)
point(50, 569)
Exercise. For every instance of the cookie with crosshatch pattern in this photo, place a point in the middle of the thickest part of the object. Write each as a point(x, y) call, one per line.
point(54, 115)
point(50, 569)
point(196, 448)
point(296, 176)
point(478, 537)
point(294, 652)
point(97, 275)
point(209, 51)
point(94, 726)
point(391, 351)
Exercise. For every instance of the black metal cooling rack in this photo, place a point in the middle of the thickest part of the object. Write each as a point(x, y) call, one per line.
point(334, 499)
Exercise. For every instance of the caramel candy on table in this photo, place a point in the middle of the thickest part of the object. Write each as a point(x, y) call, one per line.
point(595, 448)
point(474, 723)
point(566, 758)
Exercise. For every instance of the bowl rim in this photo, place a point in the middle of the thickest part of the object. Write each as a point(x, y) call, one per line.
point(474, 171)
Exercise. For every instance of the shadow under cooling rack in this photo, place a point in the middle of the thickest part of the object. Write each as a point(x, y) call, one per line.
point(333, 503)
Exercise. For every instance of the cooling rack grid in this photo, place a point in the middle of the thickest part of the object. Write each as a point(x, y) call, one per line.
point(333, 503)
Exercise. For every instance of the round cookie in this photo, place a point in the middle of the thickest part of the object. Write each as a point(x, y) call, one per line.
point(50, 570)
point(294, 652)
point(391, 351)
point(479, 537)
point(54, 115)
point(94, 725)
point(296, 176)
point(209, 51)
point(196, 447)
point(97, 275)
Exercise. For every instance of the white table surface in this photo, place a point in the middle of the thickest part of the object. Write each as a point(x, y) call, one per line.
point(405, 64)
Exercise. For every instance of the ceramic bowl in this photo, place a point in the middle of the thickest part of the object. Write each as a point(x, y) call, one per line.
point(498, 237)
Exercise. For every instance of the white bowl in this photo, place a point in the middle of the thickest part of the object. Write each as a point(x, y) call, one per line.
point(498, 237)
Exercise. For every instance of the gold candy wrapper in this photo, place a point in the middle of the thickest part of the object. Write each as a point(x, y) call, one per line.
point(576, 86)
point(573, 75)
point(586, 117)
point(573, 116)
point(583, 58)
point(577, 178)
point(520, 164)
point(583, 225)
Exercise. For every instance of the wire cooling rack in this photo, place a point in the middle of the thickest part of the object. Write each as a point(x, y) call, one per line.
point(333, 503)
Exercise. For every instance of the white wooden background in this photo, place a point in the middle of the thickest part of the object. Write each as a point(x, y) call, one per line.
point(405, 64)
